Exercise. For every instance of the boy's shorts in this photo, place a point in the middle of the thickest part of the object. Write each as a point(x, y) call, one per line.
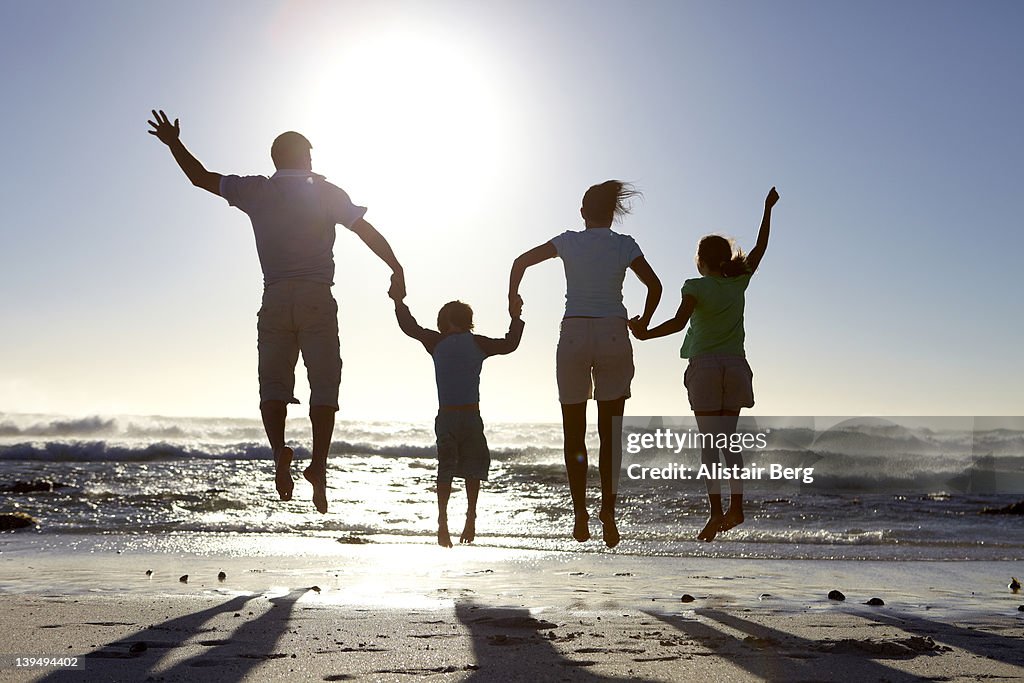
point(299, 315)
point(594, 360)
point(718, 382)
point(461, 446)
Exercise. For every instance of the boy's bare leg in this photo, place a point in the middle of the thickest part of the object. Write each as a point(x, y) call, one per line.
point(574, 433)
point(734, 517)
point(444, 492)
point(322, 418)
point(274, 415)
point(472, 493)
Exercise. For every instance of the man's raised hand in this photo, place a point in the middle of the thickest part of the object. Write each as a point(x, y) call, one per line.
point(163, 129)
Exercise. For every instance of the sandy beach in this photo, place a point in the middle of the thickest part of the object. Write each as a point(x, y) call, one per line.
point(319, 610)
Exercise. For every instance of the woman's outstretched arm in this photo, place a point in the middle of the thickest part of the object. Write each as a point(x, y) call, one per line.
point(643, 270)
point(519, 266)
point(757, 253)
point(670, 326)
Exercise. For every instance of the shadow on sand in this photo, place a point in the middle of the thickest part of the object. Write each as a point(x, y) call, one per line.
point(229, 659)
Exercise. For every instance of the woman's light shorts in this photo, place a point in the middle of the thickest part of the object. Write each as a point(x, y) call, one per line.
point(718, 382)
point(594, 360)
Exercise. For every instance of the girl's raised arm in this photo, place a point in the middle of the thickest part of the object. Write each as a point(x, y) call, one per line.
point(757, 253)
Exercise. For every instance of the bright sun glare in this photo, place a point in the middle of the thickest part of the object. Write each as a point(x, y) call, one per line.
point(410, 110)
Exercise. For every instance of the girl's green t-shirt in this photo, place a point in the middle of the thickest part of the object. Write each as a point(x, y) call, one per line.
point(716, 325)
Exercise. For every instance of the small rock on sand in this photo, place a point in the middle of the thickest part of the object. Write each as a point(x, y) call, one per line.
point(1021, 608)
point(687, 598)
point(1014, 584)
point(764, 596)
point(183, 578)
point(16, 520)
point(149, 572)
point(836, 595)
point(221, 576)
point(138, 647)
point(875, 602)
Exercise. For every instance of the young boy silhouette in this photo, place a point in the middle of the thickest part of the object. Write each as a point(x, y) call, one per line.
point(458, 358)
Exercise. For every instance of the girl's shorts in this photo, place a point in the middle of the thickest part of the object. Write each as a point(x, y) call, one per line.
point(717, 382)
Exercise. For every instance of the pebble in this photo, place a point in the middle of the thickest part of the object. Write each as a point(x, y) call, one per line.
point(221, 576)
point(1014, 584)
point(836, 595)
point(687, 598)
point(149, 572)
point(875, 602)
point(184, 578)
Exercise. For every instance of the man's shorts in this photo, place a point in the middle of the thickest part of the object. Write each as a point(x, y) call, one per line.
point(718, 382)
point(299, 316)
point(594, 360)
point(461, 446)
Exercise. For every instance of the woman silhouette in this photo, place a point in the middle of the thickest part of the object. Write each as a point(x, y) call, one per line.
point(594, 357)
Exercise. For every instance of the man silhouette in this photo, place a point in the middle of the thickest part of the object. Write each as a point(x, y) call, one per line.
point(293, 215)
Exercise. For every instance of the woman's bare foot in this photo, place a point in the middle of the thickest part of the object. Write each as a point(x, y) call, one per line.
point(609, 532)
point(444, 539)
point(581, 529)
point(711, 529)
point(318, 478)
point(733, 518)
point(469, 530)
point(283, 473)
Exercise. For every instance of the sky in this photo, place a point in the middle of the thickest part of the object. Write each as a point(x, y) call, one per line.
point(470, 131)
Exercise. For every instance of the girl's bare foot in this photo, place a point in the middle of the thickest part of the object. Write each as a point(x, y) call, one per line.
point(711, 529)
point(469, 530)
point(610, 532)
point(581, 529)
point(318, 478)
point(733, 518)
point(283, 473)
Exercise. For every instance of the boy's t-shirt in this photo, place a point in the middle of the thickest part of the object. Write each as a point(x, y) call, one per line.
point(716, 325)
point(459, 357)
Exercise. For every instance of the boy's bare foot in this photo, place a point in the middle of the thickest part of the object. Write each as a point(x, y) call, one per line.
point(733, 518)
point(609, 532)
point(711, 529)
point(283, 473)
point(581, 529)
point(318, 478)
point(444, 539)
point(469, 530)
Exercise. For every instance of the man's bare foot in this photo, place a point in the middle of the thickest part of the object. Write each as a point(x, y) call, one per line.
point(444, 539)
point(609, 532)
point(581, 529)
point(711, 529)
point(283, 473)
point(733, 518)
point(469, 530)
point(318, 478)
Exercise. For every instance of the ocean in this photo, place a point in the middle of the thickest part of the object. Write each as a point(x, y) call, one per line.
point(880, 490)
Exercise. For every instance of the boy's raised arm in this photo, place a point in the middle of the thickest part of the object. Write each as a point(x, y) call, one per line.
point(757, 253)
point(510, 342)
point(408, 324)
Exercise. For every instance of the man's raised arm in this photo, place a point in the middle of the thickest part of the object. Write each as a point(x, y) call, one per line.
point(169, 134)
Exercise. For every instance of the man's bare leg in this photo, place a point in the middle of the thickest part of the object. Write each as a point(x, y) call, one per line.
point(472, 493)
point(322, 418)
point(444, 492)
point(274, 415)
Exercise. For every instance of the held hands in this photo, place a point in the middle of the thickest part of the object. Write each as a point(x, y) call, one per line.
point(163, 129)
point(638, 327)
point(773, 196)
point(515, 307)
point(397, 290)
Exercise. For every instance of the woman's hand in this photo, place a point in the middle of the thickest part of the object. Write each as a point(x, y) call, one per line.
point(638, 327)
